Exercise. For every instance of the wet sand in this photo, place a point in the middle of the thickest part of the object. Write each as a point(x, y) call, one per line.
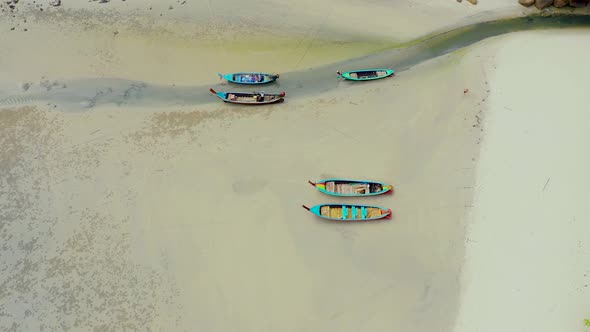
point(190, 44)
point(189, 216)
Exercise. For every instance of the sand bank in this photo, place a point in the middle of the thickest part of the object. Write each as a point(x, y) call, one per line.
point(176, 219)
point(189, 216)
point(528, 238)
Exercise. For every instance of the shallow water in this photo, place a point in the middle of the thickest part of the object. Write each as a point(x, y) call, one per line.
point(86, 94)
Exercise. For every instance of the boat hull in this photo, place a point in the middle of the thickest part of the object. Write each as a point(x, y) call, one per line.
point(351, 188)
point(367, 74)
point(246, 98)
point(250, 78)
point(349, 212)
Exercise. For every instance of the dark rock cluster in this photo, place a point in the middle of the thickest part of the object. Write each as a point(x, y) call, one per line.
point(541, 4)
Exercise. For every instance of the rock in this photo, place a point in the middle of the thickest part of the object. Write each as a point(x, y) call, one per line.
point(578, 3)
point(473, 2)
point(540, 4)
point(55, 3)
point(526, 3)
point(561, 3)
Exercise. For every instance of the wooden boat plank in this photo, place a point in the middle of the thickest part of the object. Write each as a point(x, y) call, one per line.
point(335, 213)
point(331, 186)
point(373, 212)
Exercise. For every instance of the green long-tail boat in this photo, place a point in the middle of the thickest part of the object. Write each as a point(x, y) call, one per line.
point(367, 74)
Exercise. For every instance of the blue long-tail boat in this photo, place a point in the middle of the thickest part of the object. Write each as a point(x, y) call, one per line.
point(249, 77)
point(349, 212)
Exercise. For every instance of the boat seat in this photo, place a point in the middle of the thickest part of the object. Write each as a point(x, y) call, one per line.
point(363, 212)
point(330, 186)
point(344, 212)
point(374, 212)
point(344, 188)
point(336, 212)
point(354, 212)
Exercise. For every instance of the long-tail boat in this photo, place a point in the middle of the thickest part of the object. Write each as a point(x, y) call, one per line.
point(249, 77)
point(249, 98)
point(347, 187)
point(349, 212)
point(366, 74)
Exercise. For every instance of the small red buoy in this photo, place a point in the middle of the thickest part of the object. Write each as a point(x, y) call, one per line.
point(465, 91)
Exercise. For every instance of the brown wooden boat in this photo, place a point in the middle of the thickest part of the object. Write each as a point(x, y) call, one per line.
point(249, 98)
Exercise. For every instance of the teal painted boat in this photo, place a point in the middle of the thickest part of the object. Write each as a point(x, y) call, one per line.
point(249, 98)
point(346, 187)
point(249, 77)
point(367, 74)
point(349, 212)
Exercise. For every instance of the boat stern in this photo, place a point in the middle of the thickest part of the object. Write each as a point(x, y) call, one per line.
point(222, 95)
point(228, 77)
point(321, 186)
point(347, 76)
point(316, 210)
point(386, 213)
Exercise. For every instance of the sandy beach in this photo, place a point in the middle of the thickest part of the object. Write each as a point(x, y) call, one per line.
point(528, 236)
point(203, 209)
point(188, 217)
